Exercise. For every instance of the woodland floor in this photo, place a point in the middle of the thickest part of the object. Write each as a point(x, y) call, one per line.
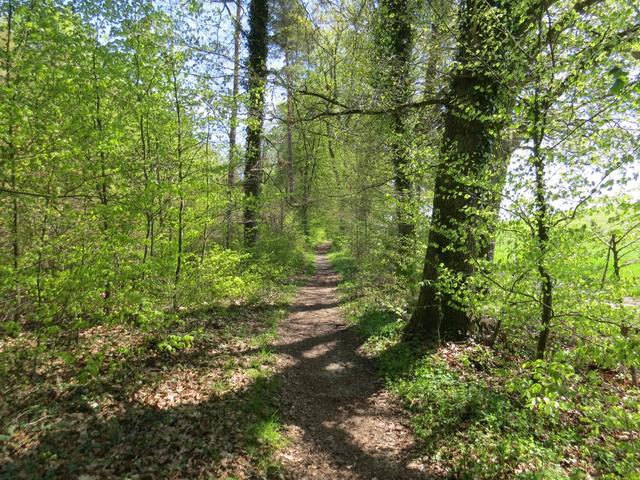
point(284, 389)
point(276, 390)
point(339, 420)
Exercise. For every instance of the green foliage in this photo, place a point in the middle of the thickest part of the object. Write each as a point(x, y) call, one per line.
point(545, 386)
point(224, 274)
point(279, 254)
point(114, 199)
point(92, 368)
point(175, 343)
point(488, 413)
point(502, 133)
point(594, 312)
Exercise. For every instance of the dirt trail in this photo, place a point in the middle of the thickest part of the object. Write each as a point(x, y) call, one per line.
point(341, 422)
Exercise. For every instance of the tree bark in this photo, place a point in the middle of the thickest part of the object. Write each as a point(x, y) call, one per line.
point(10, 149)
point(257, 66)
point(233, 122)
point(542, 232)
point(615, 250)
point(465, 175)
point(181, 175)
point(396, 38)
point(205, 228)
point(103, 187)
point(290, 162)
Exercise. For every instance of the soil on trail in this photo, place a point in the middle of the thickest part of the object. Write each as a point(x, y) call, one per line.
point(340, 421)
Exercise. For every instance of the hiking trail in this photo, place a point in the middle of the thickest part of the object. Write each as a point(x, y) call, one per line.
point(340, 421)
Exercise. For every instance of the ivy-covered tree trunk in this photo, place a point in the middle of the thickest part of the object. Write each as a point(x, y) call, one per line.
point(466, 173)
point(396, 42)
point(539, 115)
point(257, 71)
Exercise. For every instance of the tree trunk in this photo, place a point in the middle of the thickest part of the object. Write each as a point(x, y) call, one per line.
point(290, 163)
point(465, 176)
point(396, 38)
point(257, 66)
point(181, 202)
point(233, 123)
point(542, 229)
point(540, 107)
point(615, 251)
point(205, 228)
point(103, 187)
point(10, 156)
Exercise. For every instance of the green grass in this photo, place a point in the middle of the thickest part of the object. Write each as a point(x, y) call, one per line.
point(268, 432)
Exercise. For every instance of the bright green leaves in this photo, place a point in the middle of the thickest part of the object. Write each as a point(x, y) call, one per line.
point(620, 80)
point(175, 343)
point(545, 386)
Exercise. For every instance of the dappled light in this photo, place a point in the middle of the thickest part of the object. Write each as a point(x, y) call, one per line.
point(319, 239)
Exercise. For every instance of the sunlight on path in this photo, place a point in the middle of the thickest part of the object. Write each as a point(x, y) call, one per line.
point(341, 422)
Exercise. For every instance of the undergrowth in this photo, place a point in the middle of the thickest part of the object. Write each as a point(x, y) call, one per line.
point(189, 395)
point(483, 413)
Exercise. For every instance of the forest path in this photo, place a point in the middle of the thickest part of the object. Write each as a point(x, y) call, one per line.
point(340, 422)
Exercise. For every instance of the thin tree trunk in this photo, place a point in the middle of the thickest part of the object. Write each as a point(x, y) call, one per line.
point(290, 162)
point(10, 148)
point(541, 206)
point(546, 281)
point(10, 153)
point(233, 126)
point(43, 233)
point(103, 187)
point(143, 147)
point(205, 232)
point(147, 237)
point(15, 222)
point(181, 202)
point(606, 267)
point(156, 213)
point(615, 252)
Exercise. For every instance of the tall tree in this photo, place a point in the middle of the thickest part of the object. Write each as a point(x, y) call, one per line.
point(493, 57)
point(480, 94)
point(395, 41)
point(233, 120)
point(257, 79)
point(9, 148)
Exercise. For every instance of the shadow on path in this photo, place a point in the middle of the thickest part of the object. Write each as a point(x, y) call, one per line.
point(341, 422)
